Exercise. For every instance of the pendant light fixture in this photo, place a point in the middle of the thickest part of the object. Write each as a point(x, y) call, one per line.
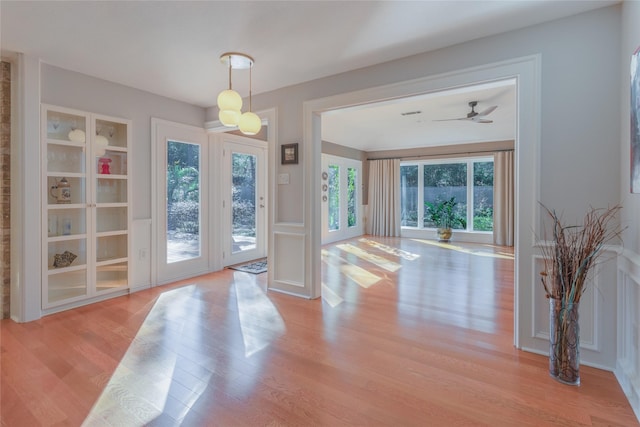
point(230, 102)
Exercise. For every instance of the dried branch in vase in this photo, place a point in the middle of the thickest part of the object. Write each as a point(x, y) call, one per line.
point(576, 249)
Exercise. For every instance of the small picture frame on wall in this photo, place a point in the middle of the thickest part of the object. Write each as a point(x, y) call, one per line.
point(289, 154)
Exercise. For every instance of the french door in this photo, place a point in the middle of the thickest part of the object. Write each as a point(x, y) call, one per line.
point(244, 199)
point(181, 202)
point(341, 198)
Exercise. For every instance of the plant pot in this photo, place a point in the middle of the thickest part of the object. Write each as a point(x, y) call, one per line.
point(444, 234)
point(564, 342)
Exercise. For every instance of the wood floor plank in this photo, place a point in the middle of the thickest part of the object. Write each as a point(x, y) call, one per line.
point(416, 333)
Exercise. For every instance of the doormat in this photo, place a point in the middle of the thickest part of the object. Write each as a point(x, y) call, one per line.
point(255, 267)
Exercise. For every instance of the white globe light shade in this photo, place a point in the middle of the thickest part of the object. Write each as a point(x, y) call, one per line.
point(101, 143)
point(229, 100)
point(250, 123)
point(229, 117)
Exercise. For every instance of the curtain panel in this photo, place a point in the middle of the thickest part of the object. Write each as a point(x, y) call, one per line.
point(384, 198)
point(503, 198)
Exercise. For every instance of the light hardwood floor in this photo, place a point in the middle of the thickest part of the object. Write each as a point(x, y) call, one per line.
point(409, 333)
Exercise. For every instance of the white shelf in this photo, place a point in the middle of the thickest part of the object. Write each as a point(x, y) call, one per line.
point(55, 174)
point(112, 233)
point(115, 148)
point(66, 238)
point(52, 270)
point(65, 206)
point(110, 176)
point(65, 143)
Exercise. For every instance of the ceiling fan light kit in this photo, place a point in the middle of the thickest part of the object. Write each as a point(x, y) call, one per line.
point(473, 115)
point(230, 102)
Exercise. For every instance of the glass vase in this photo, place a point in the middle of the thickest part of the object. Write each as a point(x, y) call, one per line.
point(564, 342)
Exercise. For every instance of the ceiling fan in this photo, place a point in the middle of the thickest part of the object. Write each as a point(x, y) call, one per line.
point(473, 115)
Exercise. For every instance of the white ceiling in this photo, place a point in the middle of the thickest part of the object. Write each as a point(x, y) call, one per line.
point(383, 127)
point(173, 48)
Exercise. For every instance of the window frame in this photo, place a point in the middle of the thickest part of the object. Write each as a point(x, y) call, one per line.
point(470, 196)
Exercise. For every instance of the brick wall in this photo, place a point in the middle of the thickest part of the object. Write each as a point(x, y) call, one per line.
point(5, 188)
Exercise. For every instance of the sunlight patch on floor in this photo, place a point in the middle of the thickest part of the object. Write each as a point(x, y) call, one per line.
point(137, 391)
point(452, 247)
point(390, 249)
point(331, 297)
point(260, 321)
point(381, 262)
point(359, 275)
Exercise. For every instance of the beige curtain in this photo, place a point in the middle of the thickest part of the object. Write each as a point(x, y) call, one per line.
point(503, 199)
point(384, 198)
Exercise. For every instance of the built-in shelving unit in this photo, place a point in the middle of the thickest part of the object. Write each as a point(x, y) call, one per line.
point(86, 212)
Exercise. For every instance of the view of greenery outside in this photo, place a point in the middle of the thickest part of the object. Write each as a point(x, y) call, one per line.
point(183, 194)
point(444, 181)
point(409, 196)
point(334, 197)
point(441, 181)
point(352, 179)
point(243, 194)
point(483, 196)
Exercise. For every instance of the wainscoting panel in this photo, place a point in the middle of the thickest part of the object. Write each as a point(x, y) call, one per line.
point(627, 368)
point(288, 270)
point(597, 308)
point(140, 257)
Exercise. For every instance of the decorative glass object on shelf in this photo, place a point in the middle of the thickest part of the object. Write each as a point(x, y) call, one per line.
point(66, 127)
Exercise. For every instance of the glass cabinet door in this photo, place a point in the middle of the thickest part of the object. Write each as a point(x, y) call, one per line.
point(111, 204)
point(65, 179)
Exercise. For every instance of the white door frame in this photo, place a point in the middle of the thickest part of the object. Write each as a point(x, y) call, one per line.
point(163, 131)
point(231, 144)
point(527, 72)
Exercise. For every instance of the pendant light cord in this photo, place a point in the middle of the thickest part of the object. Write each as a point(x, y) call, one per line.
point(250, 67)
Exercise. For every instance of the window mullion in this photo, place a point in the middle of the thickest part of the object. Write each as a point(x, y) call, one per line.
point(470, 195)
point(420, 196)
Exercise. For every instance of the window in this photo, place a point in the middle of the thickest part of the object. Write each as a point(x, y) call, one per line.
point(469, 181)
point(183, 201)
point(334, 197)
point(352, 197)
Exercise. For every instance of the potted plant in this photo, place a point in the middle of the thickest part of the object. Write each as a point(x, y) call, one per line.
point(444, 215)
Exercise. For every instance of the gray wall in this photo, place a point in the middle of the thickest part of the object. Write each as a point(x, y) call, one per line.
point(580, 104)
point(74, 90)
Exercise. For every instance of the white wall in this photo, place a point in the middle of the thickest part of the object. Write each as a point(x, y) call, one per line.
point(628, 317)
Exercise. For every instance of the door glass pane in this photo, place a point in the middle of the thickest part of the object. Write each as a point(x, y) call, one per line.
point(352, 197)
point(444, 181)
point(483, 196)
point(183, 201)
point(334, 197)
point(409, 195)
point(243, 195)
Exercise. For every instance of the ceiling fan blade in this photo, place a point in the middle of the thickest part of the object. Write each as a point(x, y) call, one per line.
point(448, 120)
point(487, 111)
point(483, 121)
